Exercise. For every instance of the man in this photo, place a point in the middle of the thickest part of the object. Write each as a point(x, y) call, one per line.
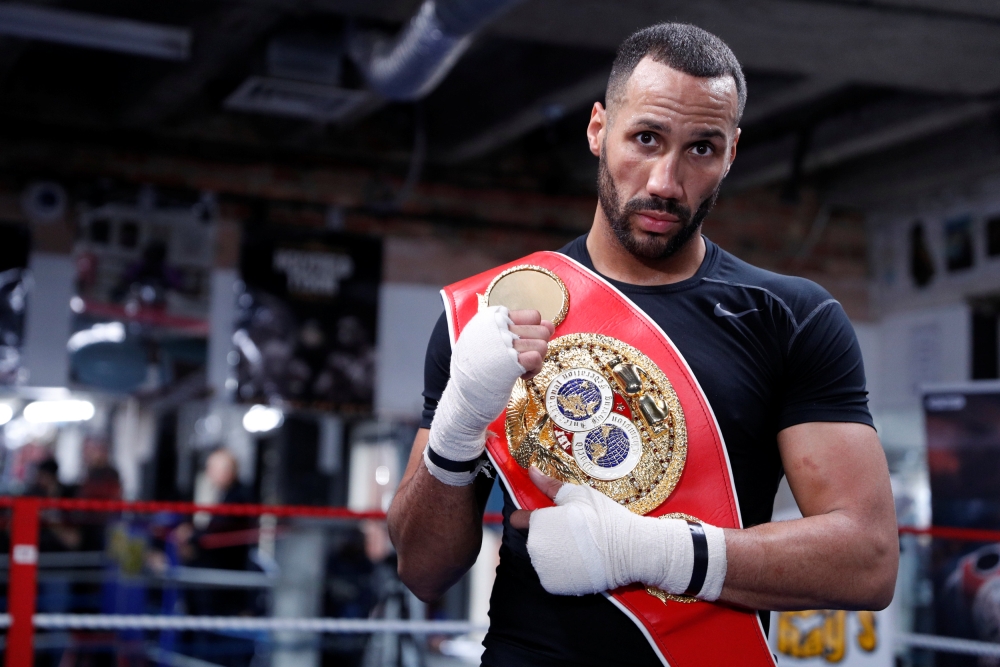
point(777, 360)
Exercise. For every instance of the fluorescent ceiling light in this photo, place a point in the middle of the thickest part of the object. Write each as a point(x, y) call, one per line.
point(6, 412)
point(260, 419)
point(111, 332)
point(51, 412)
point(95, 32)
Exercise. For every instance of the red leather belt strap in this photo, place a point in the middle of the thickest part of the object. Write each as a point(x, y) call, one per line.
point(698, 634)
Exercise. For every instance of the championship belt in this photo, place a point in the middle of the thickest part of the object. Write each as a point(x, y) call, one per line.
point(617, 408)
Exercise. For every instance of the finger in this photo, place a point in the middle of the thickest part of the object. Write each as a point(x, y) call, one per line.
point(536, 331)
point(531, 345)
point(531, 362)
point(548, 325)
point(547, 485)
point(520, 317)
point(520, 519)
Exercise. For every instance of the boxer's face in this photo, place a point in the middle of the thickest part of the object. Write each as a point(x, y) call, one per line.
point(664, 149)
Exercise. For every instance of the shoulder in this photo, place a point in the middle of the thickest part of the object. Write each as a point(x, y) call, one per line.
point(577, 249)
point(801, 299)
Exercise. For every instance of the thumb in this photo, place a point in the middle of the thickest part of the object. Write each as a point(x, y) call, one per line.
point(547, 485)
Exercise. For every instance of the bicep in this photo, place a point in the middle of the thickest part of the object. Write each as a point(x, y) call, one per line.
point(837, 467)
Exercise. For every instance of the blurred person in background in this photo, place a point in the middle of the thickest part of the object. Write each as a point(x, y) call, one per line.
point(223, 543)
point(101, 482)
point(56, 534)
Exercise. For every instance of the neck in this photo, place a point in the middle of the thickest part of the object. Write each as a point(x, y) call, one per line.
point(611, 259)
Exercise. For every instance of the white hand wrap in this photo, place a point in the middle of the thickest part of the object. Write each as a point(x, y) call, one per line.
point(484, 368)
point(589, 543)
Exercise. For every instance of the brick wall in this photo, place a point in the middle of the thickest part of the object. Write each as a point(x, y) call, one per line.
point(443, 233)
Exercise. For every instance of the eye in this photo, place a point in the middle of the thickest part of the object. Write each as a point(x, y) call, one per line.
point(646, 138)
point(703, 150)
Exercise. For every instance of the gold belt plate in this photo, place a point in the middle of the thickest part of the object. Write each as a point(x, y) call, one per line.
point(578, 372)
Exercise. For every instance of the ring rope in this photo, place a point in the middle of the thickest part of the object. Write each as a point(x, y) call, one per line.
point(245, 624)
point(369, 625)
point(949, 644)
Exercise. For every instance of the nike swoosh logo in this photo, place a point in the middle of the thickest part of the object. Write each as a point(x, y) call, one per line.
point(722, 312)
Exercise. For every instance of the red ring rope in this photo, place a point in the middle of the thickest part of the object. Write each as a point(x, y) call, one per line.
point(152, 507)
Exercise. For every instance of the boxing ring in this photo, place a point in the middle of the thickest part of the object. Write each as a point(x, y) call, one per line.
point(22, 621)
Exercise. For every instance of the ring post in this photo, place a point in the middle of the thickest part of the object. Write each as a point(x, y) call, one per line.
point(23, 588)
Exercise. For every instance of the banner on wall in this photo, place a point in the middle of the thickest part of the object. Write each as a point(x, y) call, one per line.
point(963, 456)
point(140, 314)
point(833, 637)
point(306, 325)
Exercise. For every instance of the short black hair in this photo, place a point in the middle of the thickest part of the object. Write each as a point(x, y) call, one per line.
point(682, 46)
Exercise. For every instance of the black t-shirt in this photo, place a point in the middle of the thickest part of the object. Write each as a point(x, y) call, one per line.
point(769, 351)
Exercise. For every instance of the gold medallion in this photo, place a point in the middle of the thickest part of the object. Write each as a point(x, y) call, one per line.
point(529, 287)
point(600, 413)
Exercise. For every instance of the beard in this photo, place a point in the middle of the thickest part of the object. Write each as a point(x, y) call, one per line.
point(647, 245)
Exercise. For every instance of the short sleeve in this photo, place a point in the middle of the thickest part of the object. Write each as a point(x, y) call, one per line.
point(824, 374)
point(437, 365)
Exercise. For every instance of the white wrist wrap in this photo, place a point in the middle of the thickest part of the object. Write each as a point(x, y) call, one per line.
point(588, 544)
point(484, 368)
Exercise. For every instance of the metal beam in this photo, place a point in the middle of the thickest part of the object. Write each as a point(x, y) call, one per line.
point(853, 43)
point(228, 35)
point(867, 144)
point(788, 99)
point(549, 108)
point(95, 32)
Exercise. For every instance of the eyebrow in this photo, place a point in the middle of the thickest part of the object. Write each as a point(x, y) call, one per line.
point(708, 133)
point(652, 125)
point(711, 133)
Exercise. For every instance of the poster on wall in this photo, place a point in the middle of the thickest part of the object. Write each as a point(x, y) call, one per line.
point(140, 314)
point(837, 637)
point(963, 456)
point(15, 243)
point(305, 332)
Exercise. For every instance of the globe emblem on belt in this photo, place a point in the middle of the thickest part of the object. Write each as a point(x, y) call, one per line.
point(610, 451)
point(578, 400)
point(606, 446)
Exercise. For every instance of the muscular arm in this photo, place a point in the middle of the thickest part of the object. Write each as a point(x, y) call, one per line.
point(437, 529)
point(844, 553)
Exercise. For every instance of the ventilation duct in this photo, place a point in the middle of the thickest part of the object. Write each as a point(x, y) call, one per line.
point(412, 64)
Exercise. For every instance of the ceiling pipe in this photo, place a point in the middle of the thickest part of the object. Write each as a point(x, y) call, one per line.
point(410, 65)
point(95, 31)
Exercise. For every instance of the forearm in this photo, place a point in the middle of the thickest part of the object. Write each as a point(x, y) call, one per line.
point(827, 561)
point(435, 521)
point(437, 531)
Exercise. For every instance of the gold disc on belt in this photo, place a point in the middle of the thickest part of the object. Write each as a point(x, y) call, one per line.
point(601, 413)
point(529, 287)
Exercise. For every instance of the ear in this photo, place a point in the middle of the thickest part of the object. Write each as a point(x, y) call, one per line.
point(596, 128)
point(732, 151)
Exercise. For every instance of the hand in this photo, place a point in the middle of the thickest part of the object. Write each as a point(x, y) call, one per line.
point(521, 519)
point(588, 543)
point(486, 361)
point(532, 343)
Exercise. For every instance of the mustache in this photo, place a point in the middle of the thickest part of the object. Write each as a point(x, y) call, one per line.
point(658, 205)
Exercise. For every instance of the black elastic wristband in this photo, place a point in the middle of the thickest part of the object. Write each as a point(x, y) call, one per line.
point(452, 466)
point(700, 568)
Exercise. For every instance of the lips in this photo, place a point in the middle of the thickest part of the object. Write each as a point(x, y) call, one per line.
point(656, 223)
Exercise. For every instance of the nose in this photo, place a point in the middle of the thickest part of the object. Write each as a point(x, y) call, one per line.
point(665, 178)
